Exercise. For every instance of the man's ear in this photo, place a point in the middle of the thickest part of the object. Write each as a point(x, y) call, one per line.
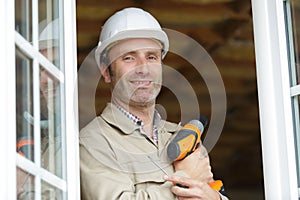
point(105, 73)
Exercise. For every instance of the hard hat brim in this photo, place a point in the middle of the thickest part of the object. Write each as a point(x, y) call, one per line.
point(45, 44)
point(129, 34)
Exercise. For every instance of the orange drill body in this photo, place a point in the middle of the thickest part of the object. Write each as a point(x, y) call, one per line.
point(185, 142)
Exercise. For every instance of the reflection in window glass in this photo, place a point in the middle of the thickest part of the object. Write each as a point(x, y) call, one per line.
point(49, 30)
point(50, 122)
point(295, 8)
point(50, 192)
point(25, 185)
point(49, 40)
point(23, 14)
point(24, 106)
point(296, 119)
point(50, 118)
point(39, 95)
point(295, 72)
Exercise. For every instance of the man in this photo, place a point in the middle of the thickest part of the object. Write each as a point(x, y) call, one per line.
point(122, 151)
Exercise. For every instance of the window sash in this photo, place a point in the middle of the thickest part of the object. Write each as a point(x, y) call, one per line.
point(30, 50)
point(273, 78)
point(67, 77)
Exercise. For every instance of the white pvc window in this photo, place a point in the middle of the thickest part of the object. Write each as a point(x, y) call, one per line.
point(39, 89)
point(276, 37)
point(292, 9)
point(7, 106)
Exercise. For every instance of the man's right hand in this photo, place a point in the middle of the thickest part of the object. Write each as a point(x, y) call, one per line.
point(196, 165)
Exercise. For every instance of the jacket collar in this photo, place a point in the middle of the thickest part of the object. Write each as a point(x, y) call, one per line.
point(112, 115)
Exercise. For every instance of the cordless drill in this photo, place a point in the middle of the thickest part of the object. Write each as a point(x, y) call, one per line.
point(186, 141)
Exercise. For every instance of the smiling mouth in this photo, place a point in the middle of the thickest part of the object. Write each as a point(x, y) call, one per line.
point(141, 83)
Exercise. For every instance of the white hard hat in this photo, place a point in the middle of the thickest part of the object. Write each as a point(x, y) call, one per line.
point(130, 23)
point(49, 36)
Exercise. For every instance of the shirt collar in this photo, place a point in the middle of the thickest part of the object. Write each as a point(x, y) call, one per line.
point(135, 119)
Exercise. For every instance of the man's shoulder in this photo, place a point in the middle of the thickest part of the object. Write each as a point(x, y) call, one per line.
point(92, 126)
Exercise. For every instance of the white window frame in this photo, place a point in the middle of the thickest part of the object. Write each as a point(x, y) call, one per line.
point(71, 104)
point(8, 104)
point(274, 93)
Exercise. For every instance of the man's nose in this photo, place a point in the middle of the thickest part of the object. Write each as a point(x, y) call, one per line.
point(142, 66)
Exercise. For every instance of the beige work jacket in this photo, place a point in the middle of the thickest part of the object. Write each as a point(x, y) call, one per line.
point(114, 159)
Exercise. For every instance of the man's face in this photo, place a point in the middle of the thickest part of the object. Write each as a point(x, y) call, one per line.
point(48, 83)
point(136, 71)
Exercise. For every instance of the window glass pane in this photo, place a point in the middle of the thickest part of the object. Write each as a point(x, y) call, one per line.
point(24, 105)
point(50, 122)
point(23, 15)
point(296, 117)
point(50, 192)
point(49, 30)
point(25, 185)
point(24, 122)
point(50, 87)
point(48, 9)
point(295, 9)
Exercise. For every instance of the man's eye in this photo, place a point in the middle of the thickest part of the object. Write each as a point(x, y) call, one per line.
point(152, 57)
point(128, 58)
